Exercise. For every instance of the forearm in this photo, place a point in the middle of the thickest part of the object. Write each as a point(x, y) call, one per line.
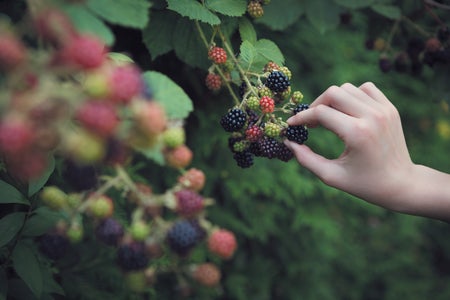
point(426, 192)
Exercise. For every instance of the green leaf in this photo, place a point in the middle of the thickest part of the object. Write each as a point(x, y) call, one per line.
point(270, 51)
point(42, 219)
point(171, 96)
point(122, 12)
point(87, 22)
point(157, 33)
point(36, 184)
point(26, 265)
point(282, 14)
point(233, 8)
point(193, 10)
point(155, 154)
point(388, 11)
point(247, 54)
point(323, 15)
point(188, 45)
point(9, 226)
point(354, 4)
point(247, 31)
point(9, 194)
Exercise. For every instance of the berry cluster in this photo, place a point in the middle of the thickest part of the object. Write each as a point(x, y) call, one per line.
point(74, 100)
point(413, 52)
point(255, 8)
point(256, 127)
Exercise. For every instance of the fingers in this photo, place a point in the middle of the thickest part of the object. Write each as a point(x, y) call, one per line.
point(371, 90)
point(328, 117)
point(327, 170)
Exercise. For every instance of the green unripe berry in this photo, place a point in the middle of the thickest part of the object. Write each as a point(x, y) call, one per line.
point(286, 93)
point(297, 97)
point(286, 72)
point(174, 137)
point(75, 233)
point(54, 197)
point(253, 102)
point(272, 130)
point(265, 91)
point(240, 146)
point(139, 230)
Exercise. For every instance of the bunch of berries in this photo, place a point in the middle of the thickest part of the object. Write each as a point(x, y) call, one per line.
point(219, 71)
point(256, 124)
point(255, 8)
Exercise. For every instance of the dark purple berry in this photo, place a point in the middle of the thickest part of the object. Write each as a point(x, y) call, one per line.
point(109, 231)
point(277, 81)
point(285, 154)
point(443, 33)
point(244, 159)
point(53, 245)
point(298, 134)
point(385, 64)
point(234, 120)
point(401, 62)
point(300, 107)
point(80, 177)
point(132, 256)
point(269, 147)
point(182, 237)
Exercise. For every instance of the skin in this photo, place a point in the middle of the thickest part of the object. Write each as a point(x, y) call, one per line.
point(375, 164)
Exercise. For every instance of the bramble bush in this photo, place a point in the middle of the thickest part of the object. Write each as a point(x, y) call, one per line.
point(142, 155)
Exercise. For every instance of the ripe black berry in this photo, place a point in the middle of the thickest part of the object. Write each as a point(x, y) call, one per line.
point(80, 177)
point(132, 256)
point(300, 107)
point(385, 64)
point(182, 237)
point(109, 231)
point(53, 245)
point(269, 147)
point(244, 159)
point(234, 120)
point(443, 34)
point(298, 134)
point(285, 154)
point(277, 81)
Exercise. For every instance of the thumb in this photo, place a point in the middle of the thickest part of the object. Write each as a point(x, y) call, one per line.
point(322, 167)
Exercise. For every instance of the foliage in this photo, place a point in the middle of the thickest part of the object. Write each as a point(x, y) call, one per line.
point(297, 237)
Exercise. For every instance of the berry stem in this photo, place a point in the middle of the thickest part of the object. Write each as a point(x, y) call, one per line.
point(416, 27)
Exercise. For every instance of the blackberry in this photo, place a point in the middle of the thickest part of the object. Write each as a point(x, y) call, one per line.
point(189, 202)
point(255, 149)
point(109, 231)
point(53, 245)
point(269, 147)
point(233, 140)
point(242, 89)
point(182, 237)
point(244, 159)
point(443, 33)
point(298, 134)
point(132, 256)
point(385, 64)
point(234, 120)
point(300, 107)
point(252, 116)
point(277, 81)
point(285, 154)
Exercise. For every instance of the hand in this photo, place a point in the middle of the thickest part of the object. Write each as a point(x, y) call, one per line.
point(375, 162)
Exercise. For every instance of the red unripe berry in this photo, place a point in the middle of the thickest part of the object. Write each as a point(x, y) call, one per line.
point(207, 274)
point(179, 157)
point(213, 82)
point(84, 51)
point(222, 242)
point(193, 179)
point(267, 104)
point(253, 133)
point(12, 51)
point(98, 117)
point(150, 117)
point(218, 55)
point(125, 83)
point(433, 44)
point(189, 203)
point(16, 136)
point(54, 26)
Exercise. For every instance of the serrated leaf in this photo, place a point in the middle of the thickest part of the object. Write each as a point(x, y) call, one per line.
point(157, 32)
point(171, 96)
point(9, 194)
point(247, 54)
point(354, 4)
point(232, 8)
point(36, 184)
point(87, 22)
point(188, 45)
point(247, 31)
point(323, 15)
point(282, 14)
point(388, 11)
point(42, 219)
point(10, 226)
point(27, 266)
point(155, 154)
point(270, 51)
point(122, 12)
point(193, 10)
